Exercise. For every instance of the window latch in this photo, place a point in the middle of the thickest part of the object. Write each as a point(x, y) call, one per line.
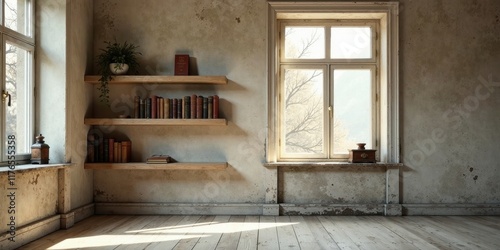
point(6, 95)
point(330, 110)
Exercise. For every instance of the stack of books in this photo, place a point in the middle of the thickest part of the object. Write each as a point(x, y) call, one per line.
point(159, 159)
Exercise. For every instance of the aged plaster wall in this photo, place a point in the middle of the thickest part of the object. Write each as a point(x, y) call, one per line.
point(448, 50)
point(79, 98)
point(225, 38)
point(35, 197)
point(449, 55)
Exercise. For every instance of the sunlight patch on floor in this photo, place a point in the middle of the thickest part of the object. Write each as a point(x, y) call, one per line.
point(115, 240)
point(162, 234)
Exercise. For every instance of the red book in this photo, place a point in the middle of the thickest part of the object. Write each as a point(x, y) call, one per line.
point(216, 107)
point(154, 106)
point(181, 65)
point(193, 106)
point(199, 107)
point(111, 150)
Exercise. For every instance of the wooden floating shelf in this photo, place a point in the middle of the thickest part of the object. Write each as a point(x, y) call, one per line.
point(216, 80)
point(166, 166)
point(154, 122)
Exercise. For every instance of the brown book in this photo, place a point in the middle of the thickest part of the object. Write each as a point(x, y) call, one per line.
point(181, 65)
point(193, 106)
point(124, 152)
point(216, 107)
point(117, 149)
point(154, 107)
point(174, 108)
point(186, 107)
point(179, 108)
point(199, 107)
point(111, 150)
point(166, 108)
point(171, 108)
point(210, 108)
point(161, 105)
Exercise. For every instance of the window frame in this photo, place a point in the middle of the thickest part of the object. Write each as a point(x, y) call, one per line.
point(25, 42)
point(387, 15)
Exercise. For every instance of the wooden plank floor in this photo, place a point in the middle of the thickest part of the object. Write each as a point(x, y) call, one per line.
point(277, 232)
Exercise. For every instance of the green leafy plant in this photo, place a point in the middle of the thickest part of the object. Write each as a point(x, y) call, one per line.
point(114, 52)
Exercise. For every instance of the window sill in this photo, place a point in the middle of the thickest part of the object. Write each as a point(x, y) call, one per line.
point(26, 167)
point(331, 164)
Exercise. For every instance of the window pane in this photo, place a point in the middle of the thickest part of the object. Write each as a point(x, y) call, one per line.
point(304, 42)
point(303, 104)
point(17, 85)
point(352, 109)
point(351, 43)
point(16, 16)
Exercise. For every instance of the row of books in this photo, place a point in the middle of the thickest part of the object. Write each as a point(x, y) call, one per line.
point(188, 107)
point(108, 150)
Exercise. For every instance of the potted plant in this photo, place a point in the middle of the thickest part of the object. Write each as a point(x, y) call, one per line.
point(115, 59)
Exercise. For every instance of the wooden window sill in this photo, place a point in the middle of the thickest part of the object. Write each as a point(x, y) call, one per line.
point(26, 167)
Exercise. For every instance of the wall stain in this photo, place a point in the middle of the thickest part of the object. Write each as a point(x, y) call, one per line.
point(471, 169)
point(238, 20)
point(34, 181)
point(98, 192)
point(475, 178)
point(200, 15)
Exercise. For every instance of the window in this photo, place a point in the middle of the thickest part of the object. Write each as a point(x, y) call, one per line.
point(17, 81)
point(333, 80)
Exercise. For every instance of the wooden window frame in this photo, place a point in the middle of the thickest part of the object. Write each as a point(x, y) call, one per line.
point(386, 13)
